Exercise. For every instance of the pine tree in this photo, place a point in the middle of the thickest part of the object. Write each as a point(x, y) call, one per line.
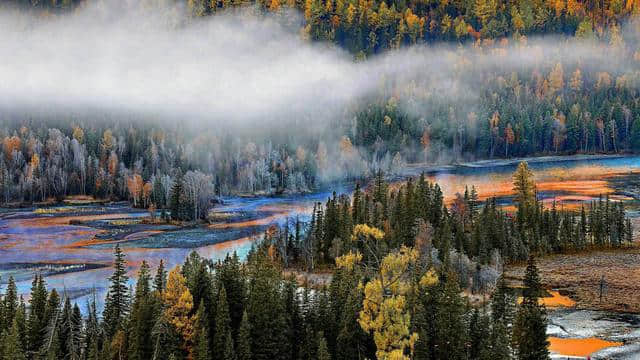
point(92, 332)
point(76, 333)
point(530, 329)
point(323, 351)
point(243, 342)
point(11, 344)
point(177, 199)
point(293, 317)
point(223, 326)
point(141, 318)
point(231, 276)
point(524, 186)
point(21, 321)
point(201, 335)
point(357, 205)
point(480, 345)
point(265, 311)
point(65, 330)
point(9, 305)
point(451, 332)
point(51, 343)
point(117, 301)
point(352, 341)
point(160, 279)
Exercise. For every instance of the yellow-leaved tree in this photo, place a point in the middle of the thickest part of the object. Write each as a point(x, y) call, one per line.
point(178, 303)
point(524, 185)
point(385, 313)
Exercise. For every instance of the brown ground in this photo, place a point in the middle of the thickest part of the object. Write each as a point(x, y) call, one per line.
point(578, 276)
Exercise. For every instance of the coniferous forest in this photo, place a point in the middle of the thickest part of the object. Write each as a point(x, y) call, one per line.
point(390, 271)
point(401, 267)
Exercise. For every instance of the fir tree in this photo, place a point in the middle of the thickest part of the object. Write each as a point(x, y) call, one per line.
point(11, 346)
point(323, 351)
point(117, 301)
point(9, 305)
point(223, 325)
point(141, 318)
point(530, 329)
point(243, 342)
point(201, 335)
point(160, 279)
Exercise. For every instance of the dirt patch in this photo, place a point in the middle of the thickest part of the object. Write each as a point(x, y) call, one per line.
point(578, 276)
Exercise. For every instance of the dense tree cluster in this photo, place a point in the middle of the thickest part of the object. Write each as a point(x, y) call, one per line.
point(399, 268)
point(551, 104)
point(552, 108)
point(397, 307)
point(144, 165)
point(414, 214)
point(368, 27)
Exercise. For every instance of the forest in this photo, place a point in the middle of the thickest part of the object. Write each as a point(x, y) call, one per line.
point(400, 268)
point(399, 286)
point(496, 94)
point(400, 272)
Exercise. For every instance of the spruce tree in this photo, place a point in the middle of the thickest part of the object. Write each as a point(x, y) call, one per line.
point(323, 351)
point(243, 341)
point(177, 199)
point(160, 279)
point(201, 335)
point(11, 346)
point(223, 327)
point(9, 305)
point(141, 318)
point(530, 329)
point(117, 301)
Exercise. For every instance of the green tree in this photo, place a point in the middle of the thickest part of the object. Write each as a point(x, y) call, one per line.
point(223, 327)
point(9, 305)
point(524, 185)
point(11, 344)
point(201, 335)
point(530, 329)
point(141, 319)
point(243, 342)
point(323, 351)
point(117, 302)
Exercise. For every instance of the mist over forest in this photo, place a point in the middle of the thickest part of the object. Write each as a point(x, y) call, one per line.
point(161, 128)
point(310, 110)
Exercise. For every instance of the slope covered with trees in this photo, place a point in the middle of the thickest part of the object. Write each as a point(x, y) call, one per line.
point(499, 94)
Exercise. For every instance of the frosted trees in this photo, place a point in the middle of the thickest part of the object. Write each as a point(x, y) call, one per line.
point(79, 162)
point(199, 188)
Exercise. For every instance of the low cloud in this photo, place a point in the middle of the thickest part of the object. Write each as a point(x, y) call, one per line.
point(234, 68)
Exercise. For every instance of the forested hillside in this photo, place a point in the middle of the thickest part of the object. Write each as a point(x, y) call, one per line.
point(503, 91)
point(367, 27)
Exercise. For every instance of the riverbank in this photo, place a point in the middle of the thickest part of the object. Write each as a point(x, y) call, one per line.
point(415, 169)
point(579, 277)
